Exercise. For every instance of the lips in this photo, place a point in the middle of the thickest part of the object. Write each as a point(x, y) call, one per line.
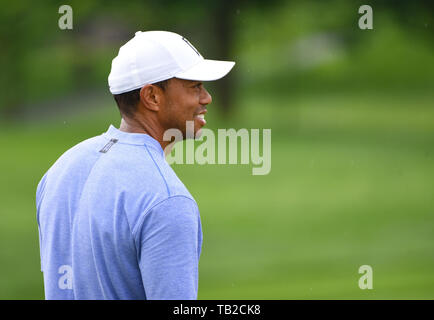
point(201, 118)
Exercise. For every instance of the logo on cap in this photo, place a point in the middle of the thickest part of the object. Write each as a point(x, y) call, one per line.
point(191, 46)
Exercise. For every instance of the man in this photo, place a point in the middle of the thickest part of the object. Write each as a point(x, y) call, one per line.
point(115, 222)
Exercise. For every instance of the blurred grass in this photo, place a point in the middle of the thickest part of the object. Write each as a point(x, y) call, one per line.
point(351, 183)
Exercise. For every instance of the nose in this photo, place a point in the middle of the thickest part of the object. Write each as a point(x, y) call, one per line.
point(205, 97)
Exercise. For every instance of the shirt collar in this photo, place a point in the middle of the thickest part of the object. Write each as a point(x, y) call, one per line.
point(139, 139)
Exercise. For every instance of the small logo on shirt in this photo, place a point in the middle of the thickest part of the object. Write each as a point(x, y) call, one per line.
point(108, 145)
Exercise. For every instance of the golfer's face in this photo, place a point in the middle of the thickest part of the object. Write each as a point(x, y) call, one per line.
point(186, 100)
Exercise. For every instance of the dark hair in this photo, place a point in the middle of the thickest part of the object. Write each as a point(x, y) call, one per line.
point(127, 102)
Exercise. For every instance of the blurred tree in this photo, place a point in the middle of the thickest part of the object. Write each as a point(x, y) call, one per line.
point(412, 15)
point(218, 21)
point(34, 27)
point(34, 50)
point(16, 41)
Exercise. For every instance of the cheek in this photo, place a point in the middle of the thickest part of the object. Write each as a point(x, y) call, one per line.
point(190, 107)
point(183, 109)
point(180, 115)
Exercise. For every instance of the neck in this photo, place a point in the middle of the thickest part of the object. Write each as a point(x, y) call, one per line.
point(140, 126)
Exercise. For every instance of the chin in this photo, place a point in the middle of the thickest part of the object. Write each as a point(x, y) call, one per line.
point(192, 130)
point(198, 133)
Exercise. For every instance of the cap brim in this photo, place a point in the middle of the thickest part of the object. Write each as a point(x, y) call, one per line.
point(207, 70)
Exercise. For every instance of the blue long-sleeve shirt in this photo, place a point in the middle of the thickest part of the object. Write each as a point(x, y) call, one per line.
point(115, 222)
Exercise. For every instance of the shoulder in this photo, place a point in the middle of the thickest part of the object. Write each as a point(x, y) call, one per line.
point(84, 152)
point(77, 159)
point(148, 165)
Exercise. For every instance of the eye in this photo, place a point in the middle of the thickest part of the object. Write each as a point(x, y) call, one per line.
point(198, 85)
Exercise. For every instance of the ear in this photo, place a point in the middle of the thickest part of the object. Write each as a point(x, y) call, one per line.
point(151, 97)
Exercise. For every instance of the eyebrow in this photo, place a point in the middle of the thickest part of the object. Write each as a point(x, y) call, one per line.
point(196, 83)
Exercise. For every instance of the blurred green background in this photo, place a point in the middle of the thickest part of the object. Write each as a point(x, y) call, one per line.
point(352, 119)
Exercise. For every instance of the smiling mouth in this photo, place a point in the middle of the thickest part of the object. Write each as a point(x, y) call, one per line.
point(201, 118)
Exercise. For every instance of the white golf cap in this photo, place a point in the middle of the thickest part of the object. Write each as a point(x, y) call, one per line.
point(155, 56)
